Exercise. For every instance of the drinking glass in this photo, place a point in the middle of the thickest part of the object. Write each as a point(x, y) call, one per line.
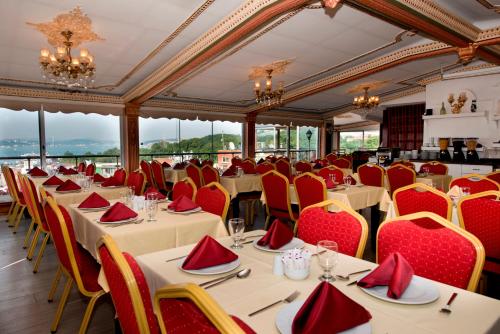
point(333, 178)
point(347, 182)
point(465, 191)
point(151, 206)
point(426, 171)
point(236, 229)
point(327, 256)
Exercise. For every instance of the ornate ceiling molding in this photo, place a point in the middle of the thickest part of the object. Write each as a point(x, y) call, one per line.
point(58, 95)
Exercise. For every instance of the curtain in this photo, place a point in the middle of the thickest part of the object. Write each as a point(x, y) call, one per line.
point(403, 127)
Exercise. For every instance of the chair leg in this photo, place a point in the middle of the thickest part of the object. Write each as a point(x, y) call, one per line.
point(55, 283)
point(28, 234)
point(11, 207)
point(13, 215)
point(34, 242)
point(62, 304)
point(18, 219)
point(40, 253)
point(267, 222)
point(89, 310)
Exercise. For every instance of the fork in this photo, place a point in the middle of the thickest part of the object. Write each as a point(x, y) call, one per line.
point(446, 308)
point(287, 300)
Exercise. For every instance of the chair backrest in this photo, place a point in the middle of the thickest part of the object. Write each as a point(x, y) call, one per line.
point(400, 176)
point(207, 162)
point(326, 173)
point(194, 172)
point(418, 197)
point(405, 163)
point(346, 227)
point(271, 158)
point(146, 168)
point(90, 170)
point(120, 175)
point(276, 189)
point(12, 184)
point(448, 254)
point(310, 189)
point(495, 176)
point(158, 175)
point(236, 161)
point(210, 174)
point(480, 215)
point(33, 202)
point(341, 163)
point(331, 157)
point(137, 179)
point(184, 187)
point(213, 198)
point(371, 175)
point(303, 167)
point(434, 167)
point(264, 167)
point(477, 183)
point(82, 166)
point(129, 289)
point(283, 167)
point(248, 166)
point(29, 204)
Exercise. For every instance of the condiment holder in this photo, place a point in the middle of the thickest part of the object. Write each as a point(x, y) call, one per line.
point(296, 263)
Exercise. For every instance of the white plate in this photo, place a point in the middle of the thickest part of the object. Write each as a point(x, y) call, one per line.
point(95, 209)
point(419, 291)
point(68, 191)
point(38, 176)
point(295, 243)
point(110, 187)
point(50, 185)
point(220, 269)
point(119, 221)
point(198, 209)
point(285, 316)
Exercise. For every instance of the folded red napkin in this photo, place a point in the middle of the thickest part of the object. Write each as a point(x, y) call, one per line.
point(208, 253)
point(394, 272)
point(53, 181)
point(99, 178)
point(317, 165)
point(165, 164)
point(70, 171)
point(329, 183)
point(327, 310)
point(353, 180)
point(111, 182)
point(94, 201)
point(68, 185)
point(35, 171)
point(182, 204)
point(229, 172)
point(61, 169)
point(153, 190)
point(278, 235)
point(117, 212)
point(178, 166)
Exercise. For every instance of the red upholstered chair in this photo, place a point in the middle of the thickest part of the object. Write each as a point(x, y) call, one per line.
point(284, 168)
point(303, 167)
point(331, 157)
point(236, 161)
point(90, 170)
point(434, 167)
point(346, 227)
point(185, 187)
point(400, 176)
point(495, 176)
point(248, 166)
point(175, 311)
point(477, 183)
point(271, 158)
point(120, 175)
point(81, 167)
point(210, 174)
point(264, 167)
point(479, 214)
point(418, 197)
point(159, 177)
point(194, 172)
point(371, 175)
point(75, 263)
point(137, 179)
point(448, 254)
point(146, 169)
point(405, 163)
point(207, 162)
point(327, 172)
point(16, 211)
point(341, 163)
point(276, 189)
point(213, 198)
point(195, 161)
point(310, 189)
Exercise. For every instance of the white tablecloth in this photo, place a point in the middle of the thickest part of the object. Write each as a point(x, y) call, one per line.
point(174, 175)
point(242, 184)
point(440, 181)
point(391, 213)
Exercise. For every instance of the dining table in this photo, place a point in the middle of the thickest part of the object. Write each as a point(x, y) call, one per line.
point(471, 312)
point(434, 180)
point(241, 184)
point(174, 175)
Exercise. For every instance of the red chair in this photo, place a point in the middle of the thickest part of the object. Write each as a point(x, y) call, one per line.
point(236, 161)
point(418, 197)
point(327, 172)
point(331, 157)
point(146, 169)
point(90, 170)
point(264, 167)
point(371, 175)
point(120, 175)
point(346, 227)
point(479, 214)
point(207, 162)
point(405, 163)
point(185, 308)
point(74, 262)
point(185, 187)
point(477, 183)
point(194, 172)
point(195, 161)
point(434, 167)
point(448, 254)
point(210, 174)
point(271, 158)
point(17, 210)
point(213, 198)
point(276, 188)
point(159, 177)
point(310, 189)
point(495, 176)
point(137, 179)
point(303, 167)
point(399, 176)
point(82, 166)
point(341, 163)
point(248, 166)
point(283, 167)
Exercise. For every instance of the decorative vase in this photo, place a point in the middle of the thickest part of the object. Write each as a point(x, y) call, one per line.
point(442, 111)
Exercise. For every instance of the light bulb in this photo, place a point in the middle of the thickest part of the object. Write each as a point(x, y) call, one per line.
point(44, 52)
point(84, 53)
point(75, 62)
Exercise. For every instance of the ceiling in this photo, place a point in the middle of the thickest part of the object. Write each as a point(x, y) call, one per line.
point(142, 37)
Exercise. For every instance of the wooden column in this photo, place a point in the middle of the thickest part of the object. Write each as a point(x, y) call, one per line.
point(131, 136)
point(322, 140)
point(249, 134)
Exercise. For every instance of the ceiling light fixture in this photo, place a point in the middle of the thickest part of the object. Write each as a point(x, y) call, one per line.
point(365, 102)
point(268, 97)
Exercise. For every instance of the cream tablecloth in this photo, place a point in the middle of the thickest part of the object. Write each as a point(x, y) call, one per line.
point(440, 181)
point(346, 171)
point(242, 184)
point(174, 175)
point(472, 313)
point(391, 213)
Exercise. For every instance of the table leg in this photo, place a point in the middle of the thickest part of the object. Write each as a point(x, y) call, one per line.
point(375, 222)
point(235, 204)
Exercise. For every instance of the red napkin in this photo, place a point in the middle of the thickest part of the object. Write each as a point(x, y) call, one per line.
point(317, 165)
point(53, 181)
point(62, 169)
point(329, 183)
point(70, 171)
point(182, 204)
point(68, 185)
point(165, 164)
point(153, 190)
point(178, 166)
point(229, 172)
point(278, 235)
point(94, 201)
point(117, 212)
point(208, 253)
point(394, 272)
point(353, 180)
point(111, 182)
point(327, 310)
point(35, 171)
point(99, 178)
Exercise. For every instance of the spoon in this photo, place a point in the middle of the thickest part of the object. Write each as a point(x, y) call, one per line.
point(346, 277)
point(242, 274)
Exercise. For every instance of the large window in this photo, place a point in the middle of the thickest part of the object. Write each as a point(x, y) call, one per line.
point(351, 141)
point(18, 134)
point(272, 139)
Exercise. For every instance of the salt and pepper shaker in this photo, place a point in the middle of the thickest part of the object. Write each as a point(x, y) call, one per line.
point(278, 268)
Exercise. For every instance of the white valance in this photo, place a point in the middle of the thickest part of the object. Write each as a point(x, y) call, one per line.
point(158, 112)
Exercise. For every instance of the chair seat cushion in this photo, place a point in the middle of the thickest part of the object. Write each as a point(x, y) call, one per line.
point(89, 270)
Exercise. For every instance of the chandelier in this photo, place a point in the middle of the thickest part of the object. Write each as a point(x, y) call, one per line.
point(64, 69)
point(268, 97)
point(365, 102)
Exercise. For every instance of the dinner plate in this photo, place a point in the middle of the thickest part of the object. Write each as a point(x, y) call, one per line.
point(118, 221)
point(419, 291)
point(295, 243)
point(38, 176)
point(285, 316)
point(198, 209)
point(68, 191)
point(111, 187)
point(220, 269)
point(337, 188)
point(95, 209)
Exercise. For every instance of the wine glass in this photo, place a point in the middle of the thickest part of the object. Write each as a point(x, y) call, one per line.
point(327, 256)
point(347, 182)
point(151, 206)
point(465, 191)
point(236, 229)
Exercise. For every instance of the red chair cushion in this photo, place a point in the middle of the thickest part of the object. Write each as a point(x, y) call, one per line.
point(475, 186)
point(371, 176)
point(495, 177)
point(211, 199)
point(182, 188)
point(413, 201)
point(309, 190)
point(439, 169)
point(136, 180)
point(210, 175)
point(194, 173)
point(400, 177)
point(120, 175)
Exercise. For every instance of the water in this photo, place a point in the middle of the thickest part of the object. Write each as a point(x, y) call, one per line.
point(16, 147)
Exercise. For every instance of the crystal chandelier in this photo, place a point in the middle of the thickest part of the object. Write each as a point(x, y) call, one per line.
point(365, 102)
point(268, 97)
point(64, 69)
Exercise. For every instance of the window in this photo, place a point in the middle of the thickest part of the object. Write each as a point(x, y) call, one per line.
point(351, 141)
point(18, 134)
